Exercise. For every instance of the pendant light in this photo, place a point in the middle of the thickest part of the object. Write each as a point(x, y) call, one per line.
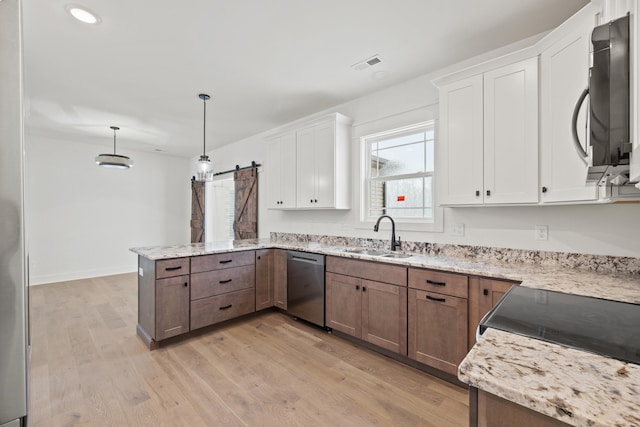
point(114, 160)
point(204, 170)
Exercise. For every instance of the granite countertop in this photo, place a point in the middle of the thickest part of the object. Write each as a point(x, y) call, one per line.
point(576, 387)
point(614, 286)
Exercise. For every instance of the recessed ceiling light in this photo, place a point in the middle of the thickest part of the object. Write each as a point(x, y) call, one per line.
point(82, 14)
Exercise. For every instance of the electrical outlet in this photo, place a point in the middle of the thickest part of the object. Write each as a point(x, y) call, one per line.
point(140, 271)
point(542, 232)
point(457, 230)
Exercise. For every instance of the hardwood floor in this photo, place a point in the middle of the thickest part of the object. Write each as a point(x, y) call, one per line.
point(89, 368)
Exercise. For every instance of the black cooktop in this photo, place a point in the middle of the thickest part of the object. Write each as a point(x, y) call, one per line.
point(605, 327)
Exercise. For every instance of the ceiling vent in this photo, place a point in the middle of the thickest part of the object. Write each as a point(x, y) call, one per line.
point(363, 65)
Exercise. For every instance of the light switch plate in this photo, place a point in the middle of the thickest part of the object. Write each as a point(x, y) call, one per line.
point(140, 272)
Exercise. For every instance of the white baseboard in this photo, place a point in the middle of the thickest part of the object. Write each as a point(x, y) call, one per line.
point(76, 275)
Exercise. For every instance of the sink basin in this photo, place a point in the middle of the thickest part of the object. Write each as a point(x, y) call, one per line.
point(396, 255)
point(371, 252)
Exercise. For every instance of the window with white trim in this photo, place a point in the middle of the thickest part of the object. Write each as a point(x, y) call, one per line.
point(398, 172)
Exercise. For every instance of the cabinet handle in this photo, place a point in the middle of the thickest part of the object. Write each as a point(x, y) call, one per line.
point(259, 257)
point(477, 193)
point(544, 189)
point(226, 307)
point(315, 200)
point(488, 192)
point(186, 284)
point(225, 281)
point(172, 268)
point(431, 282)
point(226, 261)
point(364, 289)
point(429, 297)
point(485, 292)
point(310, 200)
point(357, 287)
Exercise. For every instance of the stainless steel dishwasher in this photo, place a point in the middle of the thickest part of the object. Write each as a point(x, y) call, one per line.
point(305, 286)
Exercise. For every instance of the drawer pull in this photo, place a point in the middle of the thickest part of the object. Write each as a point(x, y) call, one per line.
point(226, 261)
point(429, 297)
point(173, 268)
point(431, 282)
point(186, 284)
point(225, 281)
point(226, 307)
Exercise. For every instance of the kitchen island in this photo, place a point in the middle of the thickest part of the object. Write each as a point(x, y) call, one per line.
point(573, 386)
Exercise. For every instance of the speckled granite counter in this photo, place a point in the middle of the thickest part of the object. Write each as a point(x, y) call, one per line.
point(574, 386)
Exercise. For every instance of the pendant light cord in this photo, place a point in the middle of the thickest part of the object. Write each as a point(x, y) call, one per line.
point(204, 128)
point(114, 142)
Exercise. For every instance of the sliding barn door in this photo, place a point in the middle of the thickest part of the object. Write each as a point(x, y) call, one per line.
point(197, 211)
point(245, 224)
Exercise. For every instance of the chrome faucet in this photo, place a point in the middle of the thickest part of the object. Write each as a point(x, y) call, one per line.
point(394, 245)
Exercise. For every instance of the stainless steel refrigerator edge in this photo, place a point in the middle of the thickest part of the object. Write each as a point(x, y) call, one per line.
point(13, 275)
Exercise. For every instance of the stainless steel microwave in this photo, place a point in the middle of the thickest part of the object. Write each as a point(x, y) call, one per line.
point(609, 146)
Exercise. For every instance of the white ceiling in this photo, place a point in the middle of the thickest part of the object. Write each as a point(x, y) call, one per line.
point(264, 62)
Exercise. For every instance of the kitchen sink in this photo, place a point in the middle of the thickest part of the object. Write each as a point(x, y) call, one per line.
point(377, 252)
point(371, 252)
point(396, 255)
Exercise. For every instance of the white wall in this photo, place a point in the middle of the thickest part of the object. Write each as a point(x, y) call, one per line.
point(82, 219)
point(601, 229)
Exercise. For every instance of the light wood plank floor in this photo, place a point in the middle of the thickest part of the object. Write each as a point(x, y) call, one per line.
point(90, 369)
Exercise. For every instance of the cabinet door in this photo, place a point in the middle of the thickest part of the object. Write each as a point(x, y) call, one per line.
point(264, 278)
point(281, 172)
point(494, 411)
point(384, 316)
point(511, 133)
point(288, 170)
point(280, 278)
point(483, 295)
point(564, 75)
point(343, 308)
point(273, 169)
point(325, 165)
point(437, 329)
point(172, 307)
point(460, 147)
point(305, 166)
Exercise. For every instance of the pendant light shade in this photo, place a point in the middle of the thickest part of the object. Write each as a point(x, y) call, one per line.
point(204, 169)
point(114, 160)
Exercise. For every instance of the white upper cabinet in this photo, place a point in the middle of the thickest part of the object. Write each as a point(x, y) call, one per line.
point(564, 75)
point(308, 166)
point(323, 164)
point(461, 142)
point(489, 137)
point(281, 171)
point(511, 133)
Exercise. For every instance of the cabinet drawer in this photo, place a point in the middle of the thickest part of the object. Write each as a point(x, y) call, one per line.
point(220, 261)
point(376, 271)
point(219, 282)
point(172, 267)
point(436, 281)
point(208, 311)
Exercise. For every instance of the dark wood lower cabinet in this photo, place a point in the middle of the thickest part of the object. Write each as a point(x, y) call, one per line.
point(372, 311)
point(437, 329)
point(212, 310)
point(280, 278)
point(493, 411)
point(172, 302)
point(483, 295)
point(265, 280)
